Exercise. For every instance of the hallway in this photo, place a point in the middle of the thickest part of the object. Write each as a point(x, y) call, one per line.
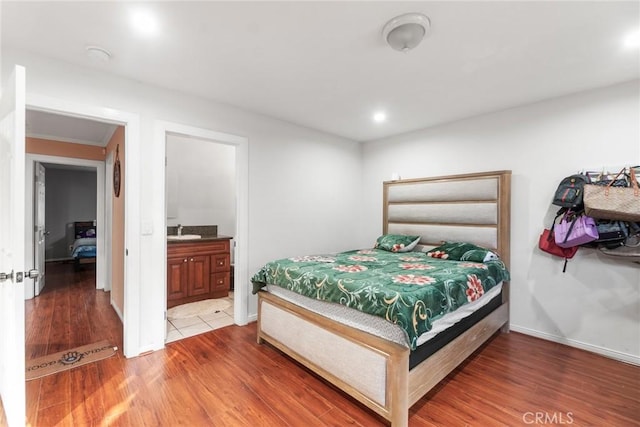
point(69, 312)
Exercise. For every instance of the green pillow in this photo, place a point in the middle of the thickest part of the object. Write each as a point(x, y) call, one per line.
point(462, 251)
point(396, 242)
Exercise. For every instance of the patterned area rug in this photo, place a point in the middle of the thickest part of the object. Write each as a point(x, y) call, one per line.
point(65, 360)
point(198, 308)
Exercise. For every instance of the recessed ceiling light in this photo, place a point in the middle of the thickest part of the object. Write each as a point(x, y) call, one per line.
point(379, 117)
point(633, 39)
point(144, 22)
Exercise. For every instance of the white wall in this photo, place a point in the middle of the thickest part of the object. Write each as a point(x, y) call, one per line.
point(307, 189)
point(70, 196)
point(201, 183)
point(596, 303)
point(304, 185)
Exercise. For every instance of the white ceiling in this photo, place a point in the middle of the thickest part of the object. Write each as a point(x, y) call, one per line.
point(324, 64)
point(68, 129)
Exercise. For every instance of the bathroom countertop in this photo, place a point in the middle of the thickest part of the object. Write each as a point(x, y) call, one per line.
point(204, 238)
point(209, 233)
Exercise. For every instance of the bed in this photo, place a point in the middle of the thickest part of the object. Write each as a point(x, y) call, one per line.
point(83, 250)
point(383, 372)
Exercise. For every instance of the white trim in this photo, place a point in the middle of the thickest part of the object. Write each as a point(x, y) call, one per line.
point(613, 354)
point(132, 277)
point(241, 290)
point(31, 160)
point(59, 260)
point(69, 140)
point(108, 223)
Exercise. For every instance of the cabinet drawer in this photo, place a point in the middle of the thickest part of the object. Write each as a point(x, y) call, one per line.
point(220, 285)
point(221, 262)
point(197, 247)
point(220, 281)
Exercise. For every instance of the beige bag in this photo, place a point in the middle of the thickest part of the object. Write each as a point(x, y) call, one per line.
point(617, 203)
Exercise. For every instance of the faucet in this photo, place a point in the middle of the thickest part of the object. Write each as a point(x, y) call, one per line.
point(179, 230)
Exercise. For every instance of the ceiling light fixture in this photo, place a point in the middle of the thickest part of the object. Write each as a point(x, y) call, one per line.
point(633, 39)
point(144, 22)
point(98, 54)
point(406, 31)
point(379, 117)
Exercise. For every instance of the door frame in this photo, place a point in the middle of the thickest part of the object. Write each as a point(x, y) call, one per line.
point(241, 291)
point(132, 298)
point(39, 234)
point(31, 160)
point(108, 224)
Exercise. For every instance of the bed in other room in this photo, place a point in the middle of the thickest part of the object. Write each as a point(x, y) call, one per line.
point(389, 371)
point(83, 250)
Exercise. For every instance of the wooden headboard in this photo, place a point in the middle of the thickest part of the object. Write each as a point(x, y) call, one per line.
point(80, 227)
point(472, 208)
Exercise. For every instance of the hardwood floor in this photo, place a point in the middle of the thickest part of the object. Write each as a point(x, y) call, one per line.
point(223, 378)
point(69, 312)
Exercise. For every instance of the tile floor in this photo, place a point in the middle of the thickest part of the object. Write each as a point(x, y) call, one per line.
point(178, 329)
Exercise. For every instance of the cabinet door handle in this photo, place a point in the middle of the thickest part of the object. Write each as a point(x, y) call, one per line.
point(191, 260)
point(185, 260)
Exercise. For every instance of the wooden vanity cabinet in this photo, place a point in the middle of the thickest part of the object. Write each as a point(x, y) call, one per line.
point(197, 270)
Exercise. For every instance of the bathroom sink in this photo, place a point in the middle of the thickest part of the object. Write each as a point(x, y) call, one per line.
point(185, 237)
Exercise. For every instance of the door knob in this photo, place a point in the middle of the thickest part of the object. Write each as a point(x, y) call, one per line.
point(31, 274)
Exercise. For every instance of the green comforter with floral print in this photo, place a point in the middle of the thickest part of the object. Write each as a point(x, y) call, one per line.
point(408, 289)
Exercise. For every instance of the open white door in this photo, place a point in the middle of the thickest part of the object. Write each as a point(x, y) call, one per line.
point(39, 226)
point(12, 235)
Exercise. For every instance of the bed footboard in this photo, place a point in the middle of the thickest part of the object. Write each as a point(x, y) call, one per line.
point(371, 370)
point(368, 368)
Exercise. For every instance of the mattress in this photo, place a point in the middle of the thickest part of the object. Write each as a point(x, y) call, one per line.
point(84, 248)
point(378, 326)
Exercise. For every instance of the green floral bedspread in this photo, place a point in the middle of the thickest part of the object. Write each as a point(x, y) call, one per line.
point(408, 289)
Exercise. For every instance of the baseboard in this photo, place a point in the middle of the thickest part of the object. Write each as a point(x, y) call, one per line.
point(58, 260)
point(612, 354)
point(252, 318)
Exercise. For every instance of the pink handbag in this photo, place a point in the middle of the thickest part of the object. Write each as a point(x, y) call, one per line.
point(575, 230)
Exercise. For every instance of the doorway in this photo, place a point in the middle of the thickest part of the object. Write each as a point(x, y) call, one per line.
point(200, 297)
point(240, 149)
point(65, 218)
point(72, 299)
point(65, 144)
point(131, 124)
point(62, 163)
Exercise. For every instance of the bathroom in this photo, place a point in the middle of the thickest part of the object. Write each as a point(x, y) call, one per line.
point(201, 207)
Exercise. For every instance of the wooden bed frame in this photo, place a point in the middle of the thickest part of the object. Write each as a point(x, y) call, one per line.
point(470, 207)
